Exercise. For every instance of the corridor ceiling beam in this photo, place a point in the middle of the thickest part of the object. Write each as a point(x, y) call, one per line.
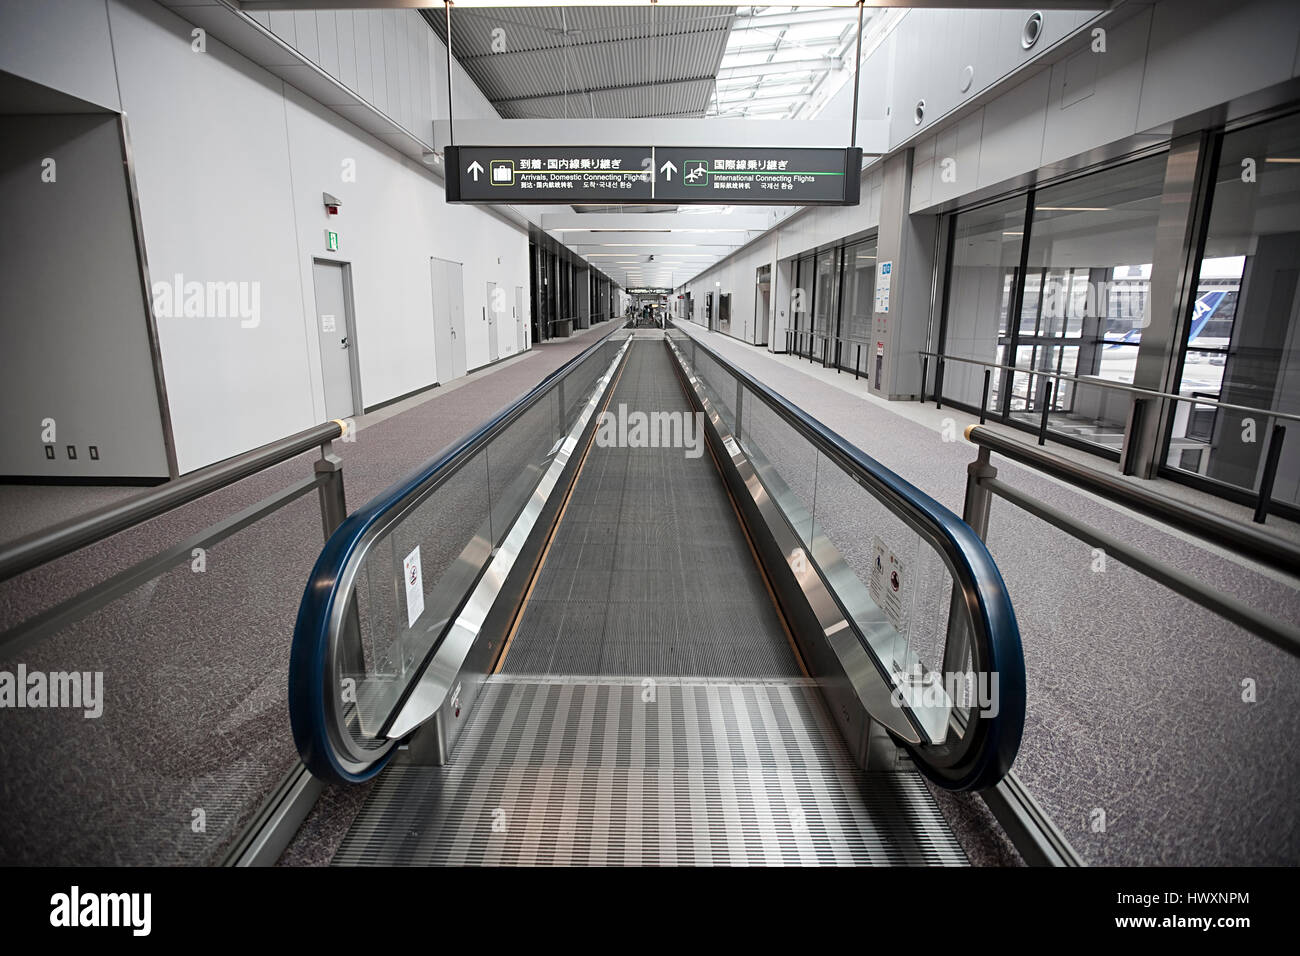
point(873, 135)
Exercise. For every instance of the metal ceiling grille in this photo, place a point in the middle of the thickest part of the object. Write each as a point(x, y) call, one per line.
point(626, 62)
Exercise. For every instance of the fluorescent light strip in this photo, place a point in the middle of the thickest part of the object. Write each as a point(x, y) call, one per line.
point(1072, 208)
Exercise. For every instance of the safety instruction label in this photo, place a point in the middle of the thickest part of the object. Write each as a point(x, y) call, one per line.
point(414, 580)
point(887, 585)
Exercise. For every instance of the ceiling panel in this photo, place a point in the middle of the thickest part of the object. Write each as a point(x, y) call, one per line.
point(627, 62)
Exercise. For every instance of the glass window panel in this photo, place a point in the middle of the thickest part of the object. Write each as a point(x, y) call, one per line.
point(981, 288)
point(1088, 280)
point(859, 290)
point(1242, 344)
point(826, 295)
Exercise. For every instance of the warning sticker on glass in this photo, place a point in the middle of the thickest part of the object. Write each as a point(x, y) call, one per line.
point(887, 585)
point(414, 580)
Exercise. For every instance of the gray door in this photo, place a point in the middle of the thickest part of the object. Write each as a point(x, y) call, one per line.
point(762, 304)
point(521, 319)
point(448, 318)
point(492, 315)
point(334, 326)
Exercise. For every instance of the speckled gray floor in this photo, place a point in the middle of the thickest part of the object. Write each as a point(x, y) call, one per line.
point(1135, 697)
point(194, 731)
point(1138, 741)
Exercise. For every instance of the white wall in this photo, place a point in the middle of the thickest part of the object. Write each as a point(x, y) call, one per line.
point(231, 163)
point(62, 44)
point(737, 275)
point(1168, 61)
point(74, 322)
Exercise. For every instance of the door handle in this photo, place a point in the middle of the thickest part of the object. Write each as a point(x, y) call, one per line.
point(343, 342)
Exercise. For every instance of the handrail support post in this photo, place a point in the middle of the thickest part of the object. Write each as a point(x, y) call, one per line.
point(1272, 457)
point(333, 511)
point(333, 499)
point(975, 512)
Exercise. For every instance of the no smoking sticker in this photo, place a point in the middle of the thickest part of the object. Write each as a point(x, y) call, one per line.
point(888, 584)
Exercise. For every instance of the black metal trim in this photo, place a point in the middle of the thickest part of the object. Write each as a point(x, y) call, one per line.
point(1028, 826)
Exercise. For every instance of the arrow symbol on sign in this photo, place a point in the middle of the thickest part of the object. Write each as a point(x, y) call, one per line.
point(475, 169)
point(668, 169)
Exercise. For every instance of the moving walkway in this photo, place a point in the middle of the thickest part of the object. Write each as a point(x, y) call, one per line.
point(654, 613)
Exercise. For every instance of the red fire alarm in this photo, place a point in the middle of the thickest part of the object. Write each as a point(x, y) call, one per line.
point(332, 204)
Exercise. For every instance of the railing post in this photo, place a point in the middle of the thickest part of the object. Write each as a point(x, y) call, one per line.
point(1273, 456)
point(984, 398)
point(975, 512)
point(333, 511)
point(333, 500)
point(1129, 453)
point(1048, 392)
point(938, 382)
point(925, 375)
point(857, 359)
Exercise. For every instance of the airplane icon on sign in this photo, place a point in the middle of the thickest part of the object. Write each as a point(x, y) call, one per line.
point(695, 171)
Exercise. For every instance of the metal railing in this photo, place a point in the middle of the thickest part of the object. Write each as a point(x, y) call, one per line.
point(983, 484)
point(462, 512)
point(1035, 836)
point(100, 623)
point(1050, 386)
point(981, 621)
point(830, 351)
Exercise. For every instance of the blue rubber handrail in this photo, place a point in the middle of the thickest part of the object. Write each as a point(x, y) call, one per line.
point(972, 562)
point(309, 713)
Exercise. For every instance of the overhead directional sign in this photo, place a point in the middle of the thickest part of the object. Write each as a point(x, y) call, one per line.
point(769, 177)
point(556, 174)
point(649, 175)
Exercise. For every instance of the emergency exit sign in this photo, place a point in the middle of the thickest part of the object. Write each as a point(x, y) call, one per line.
point(331, 241)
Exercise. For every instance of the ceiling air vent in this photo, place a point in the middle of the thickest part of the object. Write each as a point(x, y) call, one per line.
point(1033, 29)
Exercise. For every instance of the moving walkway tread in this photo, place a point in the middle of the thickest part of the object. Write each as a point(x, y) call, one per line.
point(649, 572)
point(726, 755)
